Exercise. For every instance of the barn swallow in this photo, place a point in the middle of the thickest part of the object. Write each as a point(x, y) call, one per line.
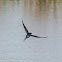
point(30, 34)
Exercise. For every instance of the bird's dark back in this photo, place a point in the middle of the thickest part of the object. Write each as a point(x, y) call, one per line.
point(29, 34)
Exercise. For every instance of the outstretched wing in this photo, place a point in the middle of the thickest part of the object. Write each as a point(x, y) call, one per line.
point(25, 27)
point(38, 36)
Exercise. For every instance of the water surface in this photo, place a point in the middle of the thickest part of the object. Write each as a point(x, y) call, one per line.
point(42, 18)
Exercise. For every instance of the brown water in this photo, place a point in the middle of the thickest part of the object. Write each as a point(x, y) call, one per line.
point(42, 18)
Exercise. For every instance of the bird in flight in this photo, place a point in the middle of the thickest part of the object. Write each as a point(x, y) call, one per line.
point(29, 34)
